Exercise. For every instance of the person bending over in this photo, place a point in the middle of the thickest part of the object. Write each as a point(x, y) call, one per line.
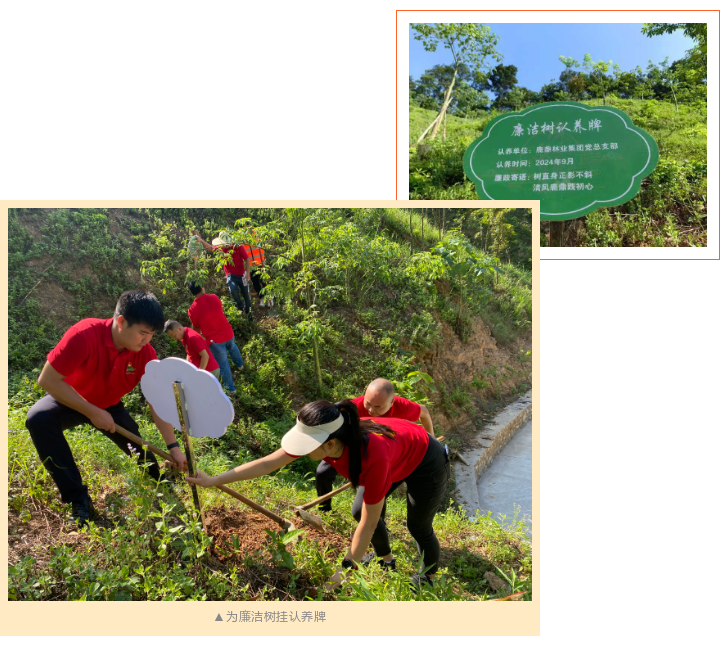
point(377, 455)
point(379, 400)
point(197, 350)
point(207, 315)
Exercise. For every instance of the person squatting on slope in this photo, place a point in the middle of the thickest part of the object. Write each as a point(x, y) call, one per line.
point(197, 349)
point(379, 400)
point(208, 317)
point(236, 267)
point(377, 455)
point(94, 365)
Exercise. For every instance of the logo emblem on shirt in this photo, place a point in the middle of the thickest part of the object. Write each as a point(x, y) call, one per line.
point(129, 369)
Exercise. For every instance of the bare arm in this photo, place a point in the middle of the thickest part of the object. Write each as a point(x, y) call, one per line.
point(53, 383)
point(254, 469)
point(204, 359)
point(370, 515)
point(168, 434)
point(425, 420)
point(247, 268)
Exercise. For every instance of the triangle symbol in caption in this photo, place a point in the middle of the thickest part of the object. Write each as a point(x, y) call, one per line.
point(218, 618)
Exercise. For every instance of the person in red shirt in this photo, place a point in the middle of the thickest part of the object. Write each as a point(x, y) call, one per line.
point(379, 400)
point(377, 455)
point(85, 376)
point(196, 348)
point(236, 267)
point(207, 315)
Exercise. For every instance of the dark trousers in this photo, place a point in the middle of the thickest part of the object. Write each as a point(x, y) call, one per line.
point(47, 420)
point(425, 489)
point(324, 479)
point(257, 281)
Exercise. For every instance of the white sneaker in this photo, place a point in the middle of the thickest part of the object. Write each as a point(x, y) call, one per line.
point(262, 302)
point(271, 301)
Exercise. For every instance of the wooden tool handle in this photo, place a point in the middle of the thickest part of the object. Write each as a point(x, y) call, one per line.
point(136, 438)
point(254, 505)
point(327, 496)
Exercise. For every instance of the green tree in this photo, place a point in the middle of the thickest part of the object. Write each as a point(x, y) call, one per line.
point(690, 71)
point(464, 264)
point(598, 71)
point(469, 102)
point(501, 80)
point(469, 43)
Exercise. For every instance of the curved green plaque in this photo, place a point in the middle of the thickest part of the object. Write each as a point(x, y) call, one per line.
point(572, 157)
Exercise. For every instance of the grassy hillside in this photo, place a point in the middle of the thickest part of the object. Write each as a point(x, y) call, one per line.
point(380, 310)
point(670, 210)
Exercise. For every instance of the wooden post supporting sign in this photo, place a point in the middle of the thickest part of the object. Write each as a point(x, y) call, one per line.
point(556, 233)
point(187, 441)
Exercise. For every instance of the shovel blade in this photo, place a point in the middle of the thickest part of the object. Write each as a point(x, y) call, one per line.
point(310, 519)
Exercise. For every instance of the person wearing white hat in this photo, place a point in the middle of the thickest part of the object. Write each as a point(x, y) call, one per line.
point(377, 456)
point(237, 269)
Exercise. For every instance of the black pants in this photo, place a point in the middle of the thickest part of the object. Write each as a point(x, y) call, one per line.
point(425, 489)
point(47, 420)
point(257, 281)
point(324, 479)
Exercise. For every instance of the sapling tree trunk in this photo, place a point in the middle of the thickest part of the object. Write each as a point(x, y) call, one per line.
point(422, 136)
point(445, 105)
point(411, 233)
point(459, 321)
point(317, 362)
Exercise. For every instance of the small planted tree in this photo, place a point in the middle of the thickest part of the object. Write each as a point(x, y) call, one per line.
point(469, 43)
point(467, 267)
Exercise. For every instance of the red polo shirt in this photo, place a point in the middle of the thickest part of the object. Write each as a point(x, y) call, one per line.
point(207, 315)
point(401, 408)
point(237, 266)
point(91, 364)
point(387, 460)
point(194, 344)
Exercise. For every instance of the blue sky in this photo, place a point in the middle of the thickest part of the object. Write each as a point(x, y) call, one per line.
point(535, 48)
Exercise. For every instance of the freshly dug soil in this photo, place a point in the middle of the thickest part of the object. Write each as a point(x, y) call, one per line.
point(224, 523)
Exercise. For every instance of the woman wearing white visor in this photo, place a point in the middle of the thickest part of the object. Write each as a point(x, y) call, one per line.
point(377, 455)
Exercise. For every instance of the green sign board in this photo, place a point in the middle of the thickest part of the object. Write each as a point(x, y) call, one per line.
point(572, 157)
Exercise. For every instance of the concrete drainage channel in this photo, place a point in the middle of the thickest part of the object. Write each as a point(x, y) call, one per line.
point(491, 441)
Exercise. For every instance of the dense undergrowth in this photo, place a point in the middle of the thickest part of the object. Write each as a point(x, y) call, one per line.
point(352, 303)
point(670, 210)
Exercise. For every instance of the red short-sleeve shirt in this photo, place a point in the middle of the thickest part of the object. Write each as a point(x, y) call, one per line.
point(387, 460)
point(401, 408)
point(92, 365)
point(207, 315)
point(239, 256)
point(194, 344)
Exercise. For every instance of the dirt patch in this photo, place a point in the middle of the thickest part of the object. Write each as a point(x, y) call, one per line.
point(56, 303)
point(46, 528)
point(247, 528)
point(240, 534)
point(456, 364)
